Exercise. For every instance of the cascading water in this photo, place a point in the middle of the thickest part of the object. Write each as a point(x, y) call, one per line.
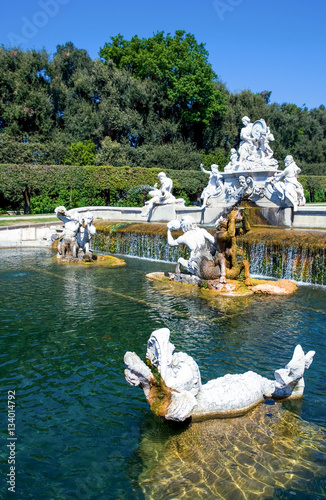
point(281, 262)
point(273, 257)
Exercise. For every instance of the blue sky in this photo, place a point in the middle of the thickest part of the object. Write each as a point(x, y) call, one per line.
point(276, 45)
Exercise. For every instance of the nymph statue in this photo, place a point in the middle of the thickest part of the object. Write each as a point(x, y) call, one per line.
point(84, 236)
point(290, 189)
point(226, 245)
point(173, 388)
point(215, 184)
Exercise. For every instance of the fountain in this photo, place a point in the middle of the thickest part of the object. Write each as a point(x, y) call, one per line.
point(220, 269)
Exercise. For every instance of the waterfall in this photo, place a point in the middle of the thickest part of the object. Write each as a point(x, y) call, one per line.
point(141, 245)
point(301, 264)
point(274, 257)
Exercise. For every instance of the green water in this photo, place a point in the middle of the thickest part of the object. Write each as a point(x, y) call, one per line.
point(83, 433)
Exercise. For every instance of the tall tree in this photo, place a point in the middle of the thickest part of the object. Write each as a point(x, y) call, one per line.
point(180, 66)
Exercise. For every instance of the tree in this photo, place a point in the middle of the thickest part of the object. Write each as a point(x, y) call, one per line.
point(179, 65)
point(25, 107)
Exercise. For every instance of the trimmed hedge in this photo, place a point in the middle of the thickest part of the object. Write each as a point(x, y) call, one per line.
point(47, 186)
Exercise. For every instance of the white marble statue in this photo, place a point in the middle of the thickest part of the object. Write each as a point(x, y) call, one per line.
point(194, 237)
point(162, 195)
point(78, 231)
point(67, 246)
point(254, 151)
point(215, 183)
point(85, 233)
point(248, 142)
point(177, 393)
point(233, 163)
point(290, 189)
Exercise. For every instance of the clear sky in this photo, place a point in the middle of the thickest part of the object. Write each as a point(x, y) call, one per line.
point(276, 45)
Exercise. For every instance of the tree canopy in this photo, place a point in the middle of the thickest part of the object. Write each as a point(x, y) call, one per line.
point(151, 102)
point(179, 65)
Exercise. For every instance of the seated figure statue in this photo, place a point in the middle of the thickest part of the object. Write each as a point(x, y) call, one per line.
point(290, 189)
point(67, 246)
point(215, 184)
point(162, 195)
point(178, 393)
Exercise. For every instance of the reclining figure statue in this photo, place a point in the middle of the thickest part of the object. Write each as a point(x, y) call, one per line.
point(172, 383)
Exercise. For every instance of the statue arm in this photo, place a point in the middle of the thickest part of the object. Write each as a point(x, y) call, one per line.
point(62, 217)
point(230, 233)
point(203, 170)
point(171, 241)
point(209, 237)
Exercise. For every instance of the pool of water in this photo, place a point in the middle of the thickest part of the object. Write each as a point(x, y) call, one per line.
point(83, 433)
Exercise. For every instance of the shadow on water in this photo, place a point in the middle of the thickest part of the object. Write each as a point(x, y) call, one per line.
point(82, 432)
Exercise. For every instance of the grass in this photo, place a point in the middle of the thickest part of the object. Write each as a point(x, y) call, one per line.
point(12, 221)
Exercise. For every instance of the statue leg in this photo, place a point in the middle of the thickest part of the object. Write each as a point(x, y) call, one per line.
point(245, 265)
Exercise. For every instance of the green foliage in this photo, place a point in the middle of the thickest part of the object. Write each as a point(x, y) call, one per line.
point(80, 153)
point(178, 64)
point(71, 186)
point(217, 157)
point(155, 102)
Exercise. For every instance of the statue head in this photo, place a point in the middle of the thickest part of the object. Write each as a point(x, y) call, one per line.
point(161, 175)
point(214, 168)
point(221, 222)
point(187, 223)
point(245, 120)
point(288, 160)
point(88, 217)
point(179, 370)
point(242, 181)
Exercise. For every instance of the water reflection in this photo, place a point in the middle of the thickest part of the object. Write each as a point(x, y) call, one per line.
point(84, 433)
point(270, 450)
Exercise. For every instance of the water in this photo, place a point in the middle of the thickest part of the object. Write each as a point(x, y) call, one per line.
point(83, 433)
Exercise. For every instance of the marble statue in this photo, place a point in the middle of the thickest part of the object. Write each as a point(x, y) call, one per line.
point(195, 238)
point(162, 195)
point(67, 246)
point(245, 188)
point(172, 383)
point(233, 163)
point(254, 151)
point(78, 231)
point(226, 245)
point(84, 235)
point(290, 189)
point(215, 183)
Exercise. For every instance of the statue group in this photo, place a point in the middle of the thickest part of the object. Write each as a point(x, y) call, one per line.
point(171, 381)
point(222, 261)
point(74, 245)
point(252, 174)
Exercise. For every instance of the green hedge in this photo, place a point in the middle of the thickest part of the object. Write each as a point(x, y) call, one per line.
point(45, 186)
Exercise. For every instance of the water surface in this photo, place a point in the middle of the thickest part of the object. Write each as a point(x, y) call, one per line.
point(82, 432)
